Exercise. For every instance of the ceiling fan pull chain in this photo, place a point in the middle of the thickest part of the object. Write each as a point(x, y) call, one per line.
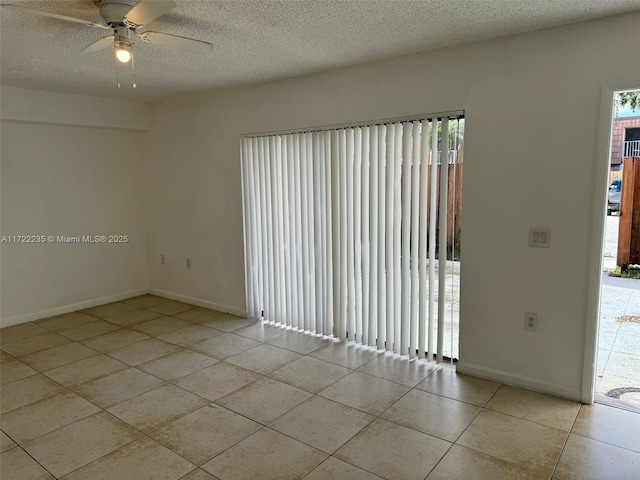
point(117, 72)
point(133, 71)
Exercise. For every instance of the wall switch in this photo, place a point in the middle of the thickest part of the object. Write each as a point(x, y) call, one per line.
point(162, 258)
point(530, 322)
point(188, 263)
point(539, 237)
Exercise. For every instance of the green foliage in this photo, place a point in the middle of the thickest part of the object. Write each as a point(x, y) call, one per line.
point(630, 99)
point(456, 133)
point(632, 271)
point(456, 245)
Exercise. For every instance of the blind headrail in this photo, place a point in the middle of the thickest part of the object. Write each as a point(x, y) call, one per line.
point(452, 115)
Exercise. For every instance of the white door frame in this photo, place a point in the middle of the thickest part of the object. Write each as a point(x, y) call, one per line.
point(597, 232)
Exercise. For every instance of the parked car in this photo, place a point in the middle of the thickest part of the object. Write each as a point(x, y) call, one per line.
point(613, 197)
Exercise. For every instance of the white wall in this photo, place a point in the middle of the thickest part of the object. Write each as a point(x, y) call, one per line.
point(34, 106)
point(532, 107)
point(59, 178)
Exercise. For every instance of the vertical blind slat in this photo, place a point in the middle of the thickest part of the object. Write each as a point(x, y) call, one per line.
point(415, 239)
point(298, 231)
point(389, 247)
point(433, 188)
point(349, 213)
point(291, 196)
point(309, 258)
point(424, 221)
point(405, 312)
point(397, 250)
point(335, 237)
point(383, 333)
point(367, 320)
point(253, 193)
point(255, 187)
point(344, 290)
point(272, 215)
point(329, 320)
point(304, 210)
point(265, 230)
point(279, 246)
point(316, 225)
point(286, 252)
point(357, 232)
point(374, 323)
point(247, 216)
point(320, 235)
point(442, 245)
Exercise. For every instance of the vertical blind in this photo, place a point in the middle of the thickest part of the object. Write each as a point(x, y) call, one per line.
point(342, 229)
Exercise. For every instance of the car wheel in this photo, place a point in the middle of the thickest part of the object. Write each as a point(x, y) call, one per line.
point(608, 211)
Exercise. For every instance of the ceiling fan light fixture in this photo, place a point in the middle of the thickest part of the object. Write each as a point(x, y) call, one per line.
point(124, 51)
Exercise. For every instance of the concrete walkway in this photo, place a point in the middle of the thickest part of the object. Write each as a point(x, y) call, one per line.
point(618, 363)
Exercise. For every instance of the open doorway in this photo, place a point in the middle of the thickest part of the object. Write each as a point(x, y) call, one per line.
point(618, 350)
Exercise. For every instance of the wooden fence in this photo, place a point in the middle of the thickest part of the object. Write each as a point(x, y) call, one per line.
point(454, 207)
point(629, 228)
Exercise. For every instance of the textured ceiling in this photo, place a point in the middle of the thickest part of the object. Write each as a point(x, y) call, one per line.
point(260, 40)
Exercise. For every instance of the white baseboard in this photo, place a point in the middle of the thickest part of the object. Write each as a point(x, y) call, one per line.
point(72, 307)
point(200, 303)
point(50, 312)
point(516, 380)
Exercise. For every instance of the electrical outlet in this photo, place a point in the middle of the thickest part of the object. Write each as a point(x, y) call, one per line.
point(530, 322)
point(162, 258)
point(188, 263)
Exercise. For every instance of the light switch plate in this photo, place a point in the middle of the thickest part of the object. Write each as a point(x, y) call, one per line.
point(540, 237)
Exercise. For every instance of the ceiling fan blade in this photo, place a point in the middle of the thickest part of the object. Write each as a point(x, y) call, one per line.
point(104, 42)
point(173, 41)
point(147, 11)
point(59, 17)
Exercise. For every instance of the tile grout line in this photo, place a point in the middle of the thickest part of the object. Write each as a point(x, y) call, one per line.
point(482, 409)
point(375, 417)
point(182, 416)
point(102, 410)
point(331, 456)
point(566, 440)
point(96, 405)
point(456, 440)
point(313, 395)
point(143, 435)
point(33, 458)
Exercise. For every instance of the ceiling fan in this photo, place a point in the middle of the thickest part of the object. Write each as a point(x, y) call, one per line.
point(125, 18)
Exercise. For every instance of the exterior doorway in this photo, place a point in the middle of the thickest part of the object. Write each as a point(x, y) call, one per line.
point(618, 349)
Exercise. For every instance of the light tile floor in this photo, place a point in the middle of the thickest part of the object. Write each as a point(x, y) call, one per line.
point(155, 389)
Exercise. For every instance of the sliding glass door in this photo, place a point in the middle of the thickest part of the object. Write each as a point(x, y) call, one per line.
point(354, 232)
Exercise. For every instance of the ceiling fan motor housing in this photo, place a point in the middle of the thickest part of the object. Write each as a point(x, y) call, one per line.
point(121, 33)
point(114, 11)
